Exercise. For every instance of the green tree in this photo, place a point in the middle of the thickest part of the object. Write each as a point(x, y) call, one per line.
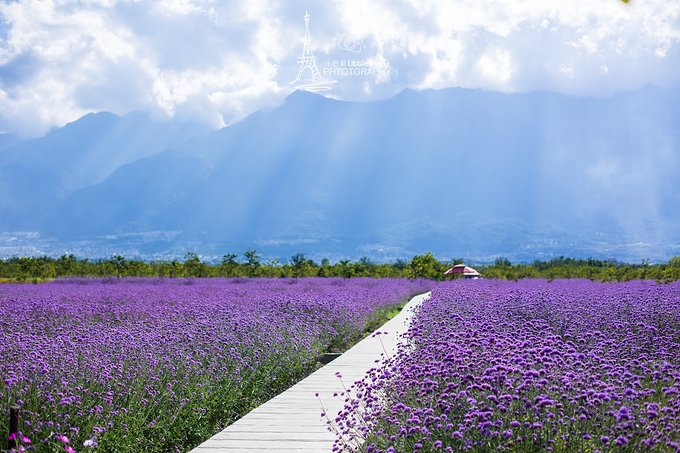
point(325, 270)
point(252, 262)
point(193, 266)
point(119, 264)
point(345, 269)
point(364, 267)
point(299, 263)
point(47, 269)
point(502, 262)
point(66, 265)
point(228, 265)
point(400, 264)
point(672, 270)
point(424, 266)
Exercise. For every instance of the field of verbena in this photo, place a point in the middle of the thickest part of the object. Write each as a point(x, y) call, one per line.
point(144, 365)
point(564, 366)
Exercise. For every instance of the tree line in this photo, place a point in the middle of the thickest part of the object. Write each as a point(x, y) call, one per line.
point(250, 264)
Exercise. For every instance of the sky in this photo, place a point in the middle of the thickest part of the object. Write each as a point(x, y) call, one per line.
point(215, 62)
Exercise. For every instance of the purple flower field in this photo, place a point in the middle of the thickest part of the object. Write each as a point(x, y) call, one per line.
point(145, 365)
point(567, 365)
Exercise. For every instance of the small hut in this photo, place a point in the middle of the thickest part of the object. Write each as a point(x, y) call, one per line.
point(466, 271)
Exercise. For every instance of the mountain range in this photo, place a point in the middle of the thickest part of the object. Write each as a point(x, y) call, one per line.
point(462, 173)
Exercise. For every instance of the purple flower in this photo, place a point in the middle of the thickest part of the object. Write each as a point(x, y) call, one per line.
point(552, 357)
point(94, 347)
point(620, 441)
point(63, 438)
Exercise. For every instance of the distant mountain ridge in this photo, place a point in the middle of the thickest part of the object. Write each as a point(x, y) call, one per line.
point(463, 173)
point(38, 173)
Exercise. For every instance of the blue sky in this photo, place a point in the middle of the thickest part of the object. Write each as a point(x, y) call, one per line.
point(216, 62)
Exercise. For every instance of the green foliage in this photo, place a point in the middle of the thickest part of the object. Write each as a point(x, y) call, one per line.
point(252, 261)
point(302, 267)
point(425, 266)
point(37, 269)
point(194, 267)
point(502, 262)
point(228, 265)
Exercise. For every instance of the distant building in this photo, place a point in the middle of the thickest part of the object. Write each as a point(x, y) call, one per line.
point(466, 271)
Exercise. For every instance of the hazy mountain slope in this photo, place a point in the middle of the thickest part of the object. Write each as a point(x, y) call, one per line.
point(35, 174)
point(456, 171)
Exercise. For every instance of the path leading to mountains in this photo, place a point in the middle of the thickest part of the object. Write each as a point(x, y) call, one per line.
point(292, 422)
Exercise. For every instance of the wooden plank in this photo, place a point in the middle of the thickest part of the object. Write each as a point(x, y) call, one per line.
point(291, 422)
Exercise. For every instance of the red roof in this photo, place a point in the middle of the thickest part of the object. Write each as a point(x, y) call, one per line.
point(461, 269)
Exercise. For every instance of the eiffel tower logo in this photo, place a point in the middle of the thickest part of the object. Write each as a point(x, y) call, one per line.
point(309, 78)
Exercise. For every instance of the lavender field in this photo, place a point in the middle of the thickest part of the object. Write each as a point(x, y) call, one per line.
point(149, 365)
point(567, 365)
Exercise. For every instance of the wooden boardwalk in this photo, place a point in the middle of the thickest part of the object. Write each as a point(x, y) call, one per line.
point(292, 422)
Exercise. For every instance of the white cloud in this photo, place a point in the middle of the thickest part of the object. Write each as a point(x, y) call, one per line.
point(220, 61)
point(496, 67)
